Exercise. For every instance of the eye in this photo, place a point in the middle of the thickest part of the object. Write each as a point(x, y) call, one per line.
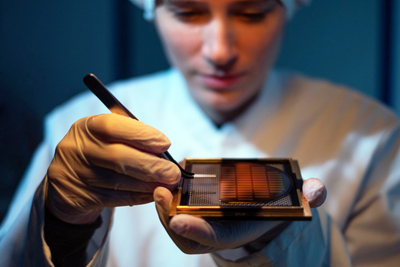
point(188, 15)
point(253, 12)
point(252, 16)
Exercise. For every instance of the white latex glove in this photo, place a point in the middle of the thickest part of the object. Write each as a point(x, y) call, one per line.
point(106, 161)
point(194, 235)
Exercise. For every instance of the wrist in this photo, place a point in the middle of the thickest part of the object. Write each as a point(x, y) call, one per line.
point(75, 217)
point(64, 212)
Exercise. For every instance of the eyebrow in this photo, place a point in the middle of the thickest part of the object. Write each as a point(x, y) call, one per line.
point(255, 4)
point(194, 3)
point(184, 3)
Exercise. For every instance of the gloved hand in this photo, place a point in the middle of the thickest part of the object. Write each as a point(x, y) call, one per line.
point(194, 235)
point(106, 161)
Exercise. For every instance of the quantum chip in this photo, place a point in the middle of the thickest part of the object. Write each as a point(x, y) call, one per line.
point(253, 188)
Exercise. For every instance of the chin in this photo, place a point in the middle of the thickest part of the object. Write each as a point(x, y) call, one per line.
point(217, 98)
point(223, 105)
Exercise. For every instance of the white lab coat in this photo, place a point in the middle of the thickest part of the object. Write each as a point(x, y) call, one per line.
point(348, 141)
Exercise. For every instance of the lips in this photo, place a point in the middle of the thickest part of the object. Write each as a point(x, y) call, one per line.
point(220, 81)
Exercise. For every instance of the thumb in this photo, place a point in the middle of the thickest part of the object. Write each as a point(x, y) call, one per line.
point(315, 192)
point(163, 198)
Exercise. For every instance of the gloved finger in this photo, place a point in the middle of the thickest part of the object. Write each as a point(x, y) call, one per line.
point(115, 128)
point(314, 191)
point(105, 178)
point(130, 161)
point(94, 197)
point(115, 198)
point(163, 199)
point(81, 147)
point(76, 202)
point(220, 235)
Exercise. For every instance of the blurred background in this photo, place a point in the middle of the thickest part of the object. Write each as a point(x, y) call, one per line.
point(46, 48)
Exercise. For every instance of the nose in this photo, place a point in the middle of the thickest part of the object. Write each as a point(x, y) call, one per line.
point(219, 48)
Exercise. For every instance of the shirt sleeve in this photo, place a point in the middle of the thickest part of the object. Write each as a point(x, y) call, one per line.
point(371, 236)
point(22, 241)
point(13, 230)
point(291, 248)
point(372, 233)
point(37, 251)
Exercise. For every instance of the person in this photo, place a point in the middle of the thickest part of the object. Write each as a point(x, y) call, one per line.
point(222, 98)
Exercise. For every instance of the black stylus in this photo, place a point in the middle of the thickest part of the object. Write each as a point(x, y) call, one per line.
point(113, 104)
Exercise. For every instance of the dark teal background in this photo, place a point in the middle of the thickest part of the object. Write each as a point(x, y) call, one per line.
point(46, 47)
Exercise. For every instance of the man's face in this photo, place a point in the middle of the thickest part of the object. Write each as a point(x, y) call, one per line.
point(223, 48)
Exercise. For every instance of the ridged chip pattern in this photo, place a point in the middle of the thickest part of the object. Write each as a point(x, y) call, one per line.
point(249, 189)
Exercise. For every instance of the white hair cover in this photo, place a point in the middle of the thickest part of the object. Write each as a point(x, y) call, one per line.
point(148, 7)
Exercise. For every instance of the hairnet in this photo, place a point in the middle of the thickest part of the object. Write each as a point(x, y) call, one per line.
point(148, 7)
